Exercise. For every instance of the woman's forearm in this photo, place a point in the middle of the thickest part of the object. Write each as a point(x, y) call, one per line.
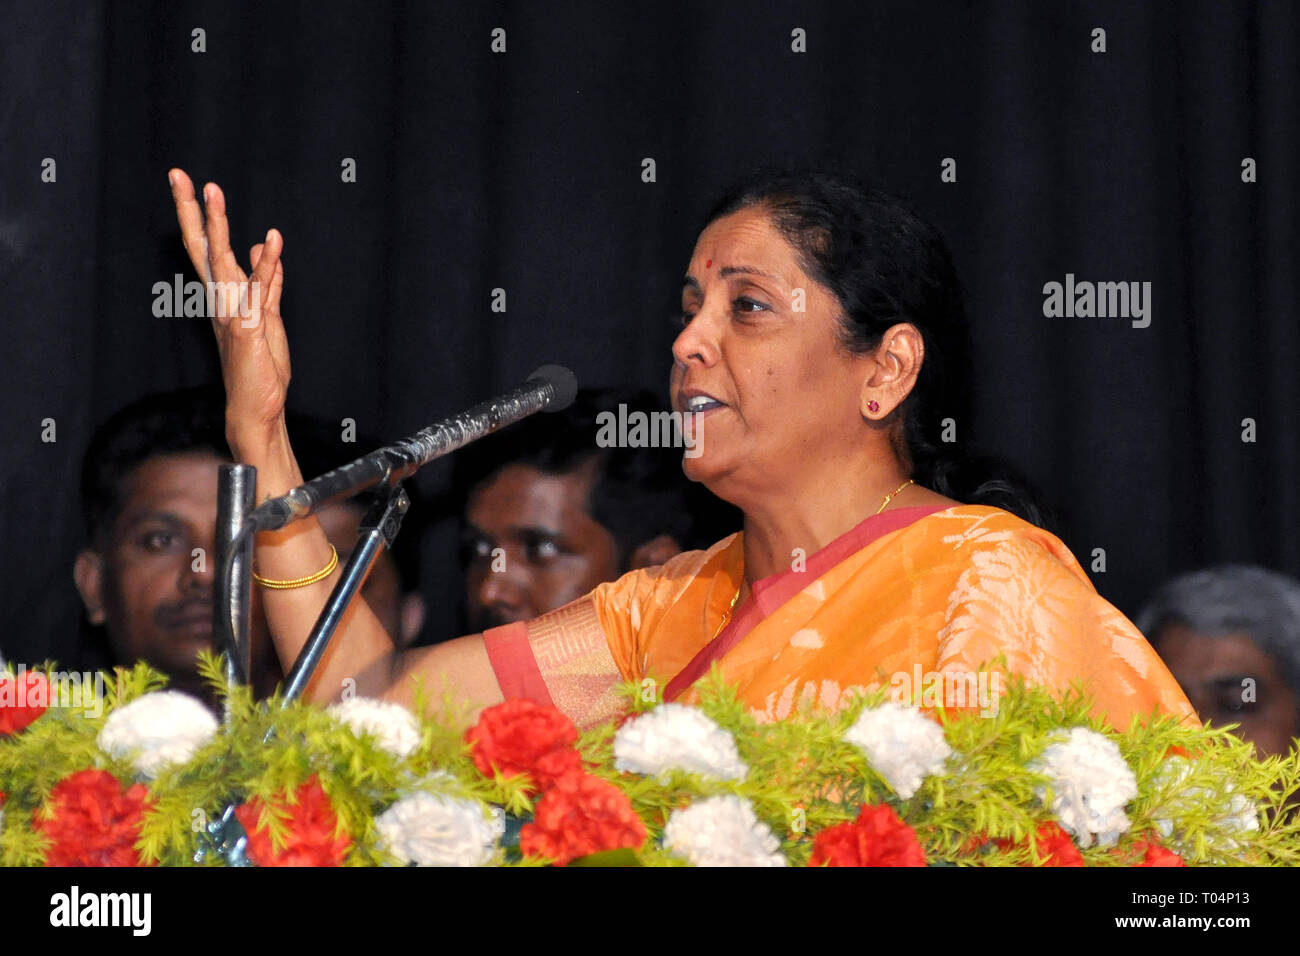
point(361, 650)
point(255, 372)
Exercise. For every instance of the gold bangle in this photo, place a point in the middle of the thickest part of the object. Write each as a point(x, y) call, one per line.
point(320, 575)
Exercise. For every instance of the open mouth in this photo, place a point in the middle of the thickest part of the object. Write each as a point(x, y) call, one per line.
point(702, 403)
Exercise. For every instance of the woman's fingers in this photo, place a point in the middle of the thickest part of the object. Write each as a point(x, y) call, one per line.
point(271, 320)
point(277, 286)
point(265, 263)
point(225, 268)
point(245, 309)
point(274, 324)
point(270, 289)
point(190, 216)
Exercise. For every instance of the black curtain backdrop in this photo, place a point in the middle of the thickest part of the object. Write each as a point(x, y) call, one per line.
point(522, 170)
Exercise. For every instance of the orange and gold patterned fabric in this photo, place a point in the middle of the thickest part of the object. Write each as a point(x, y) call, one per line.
point(915, 599)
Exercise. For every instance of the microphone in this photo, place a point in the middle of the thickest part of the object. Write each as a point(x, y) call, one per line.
point(550, 388)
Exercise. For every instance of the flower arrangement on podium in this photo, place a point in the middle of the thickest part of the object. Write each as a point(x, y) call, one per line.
point(153, 778)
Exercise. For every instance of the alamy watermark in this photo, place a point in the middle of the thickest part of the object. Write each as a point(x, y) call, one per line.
point(639, 429)
point(195, 299)
point(1125, 300)
point(132, 910)
point(947, 689)
point(71, 690)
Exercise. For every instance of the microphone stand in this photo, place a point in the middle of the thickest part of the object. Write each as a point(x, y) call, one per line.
point(237, 522)
point(236, 493)
point(236, 497)
point(377, 531)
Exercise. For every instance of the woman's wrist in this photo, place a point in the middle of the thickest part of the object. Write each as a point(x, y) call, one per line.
point(268, 450)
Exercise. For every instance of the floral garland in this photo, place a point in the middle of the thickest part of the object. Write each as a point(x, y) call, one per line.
point(155, 780)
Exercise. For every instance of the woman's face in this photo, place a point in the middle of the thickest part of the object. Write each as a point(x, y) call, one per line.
point(759, 359)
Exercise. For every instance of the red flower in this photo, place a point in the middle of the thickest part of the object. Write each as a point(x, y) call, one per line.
point(313, 837)
point(91, 821)
point(521, 737)
point(550, 767)
point(1156, 855)
point(974, 844)
point(22, 700)
point(581, 814)
point(1152, 854)
point(1055, 848)
point(878, 837)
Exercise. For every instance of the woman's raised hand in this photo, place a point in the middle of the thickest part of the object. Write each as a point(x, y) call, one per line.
point(245, 313)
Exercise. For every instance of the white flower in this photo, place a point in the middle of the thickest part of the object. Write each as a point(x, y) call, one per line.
point(439, 830)
point(676, 737)
point(901, 744)
point(1091, 785)
point(162, 727)
point(396, 728)
point(722, 831)
point(1240, 816)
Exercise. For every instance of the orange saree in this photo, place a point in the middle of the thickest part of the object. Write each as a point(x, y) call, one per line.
point(915, 599)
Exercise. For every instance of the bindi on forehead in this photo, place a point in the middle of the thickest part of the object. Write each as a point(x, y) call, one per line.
point(708, 263)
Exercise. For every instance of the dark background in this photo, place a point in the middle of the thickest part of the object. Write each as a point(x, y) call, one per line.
point(522, 170)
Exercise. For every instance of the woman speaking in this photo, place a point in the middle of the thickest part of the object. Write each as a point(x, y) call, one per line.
point(816, 319)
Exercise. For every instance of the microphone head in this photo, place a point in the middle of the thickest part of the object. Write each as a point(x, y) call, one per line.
point(564, 385)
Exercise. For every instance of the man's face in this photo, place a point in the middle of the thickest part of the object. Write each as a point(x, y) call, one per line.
point(151, 586)
point(1217, 672)
point(532, 545)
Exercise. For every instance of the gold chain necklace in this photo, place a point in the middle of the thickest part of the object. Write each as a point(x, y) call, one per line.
point(736, 597)
point(890, 497)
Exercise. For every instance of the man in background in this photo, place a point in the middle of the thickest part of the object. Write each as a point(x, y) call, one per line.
point(146, 574)
point(149, 500)
point(1231, 637)
point(549, 513)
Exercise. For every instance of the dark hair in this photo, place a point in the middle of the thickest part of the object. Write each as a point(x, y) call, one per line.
point(1229, 599)
point(319, 447)
point(885, 264)
point(639, 493)
point(193, 420)
point(164, 423)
